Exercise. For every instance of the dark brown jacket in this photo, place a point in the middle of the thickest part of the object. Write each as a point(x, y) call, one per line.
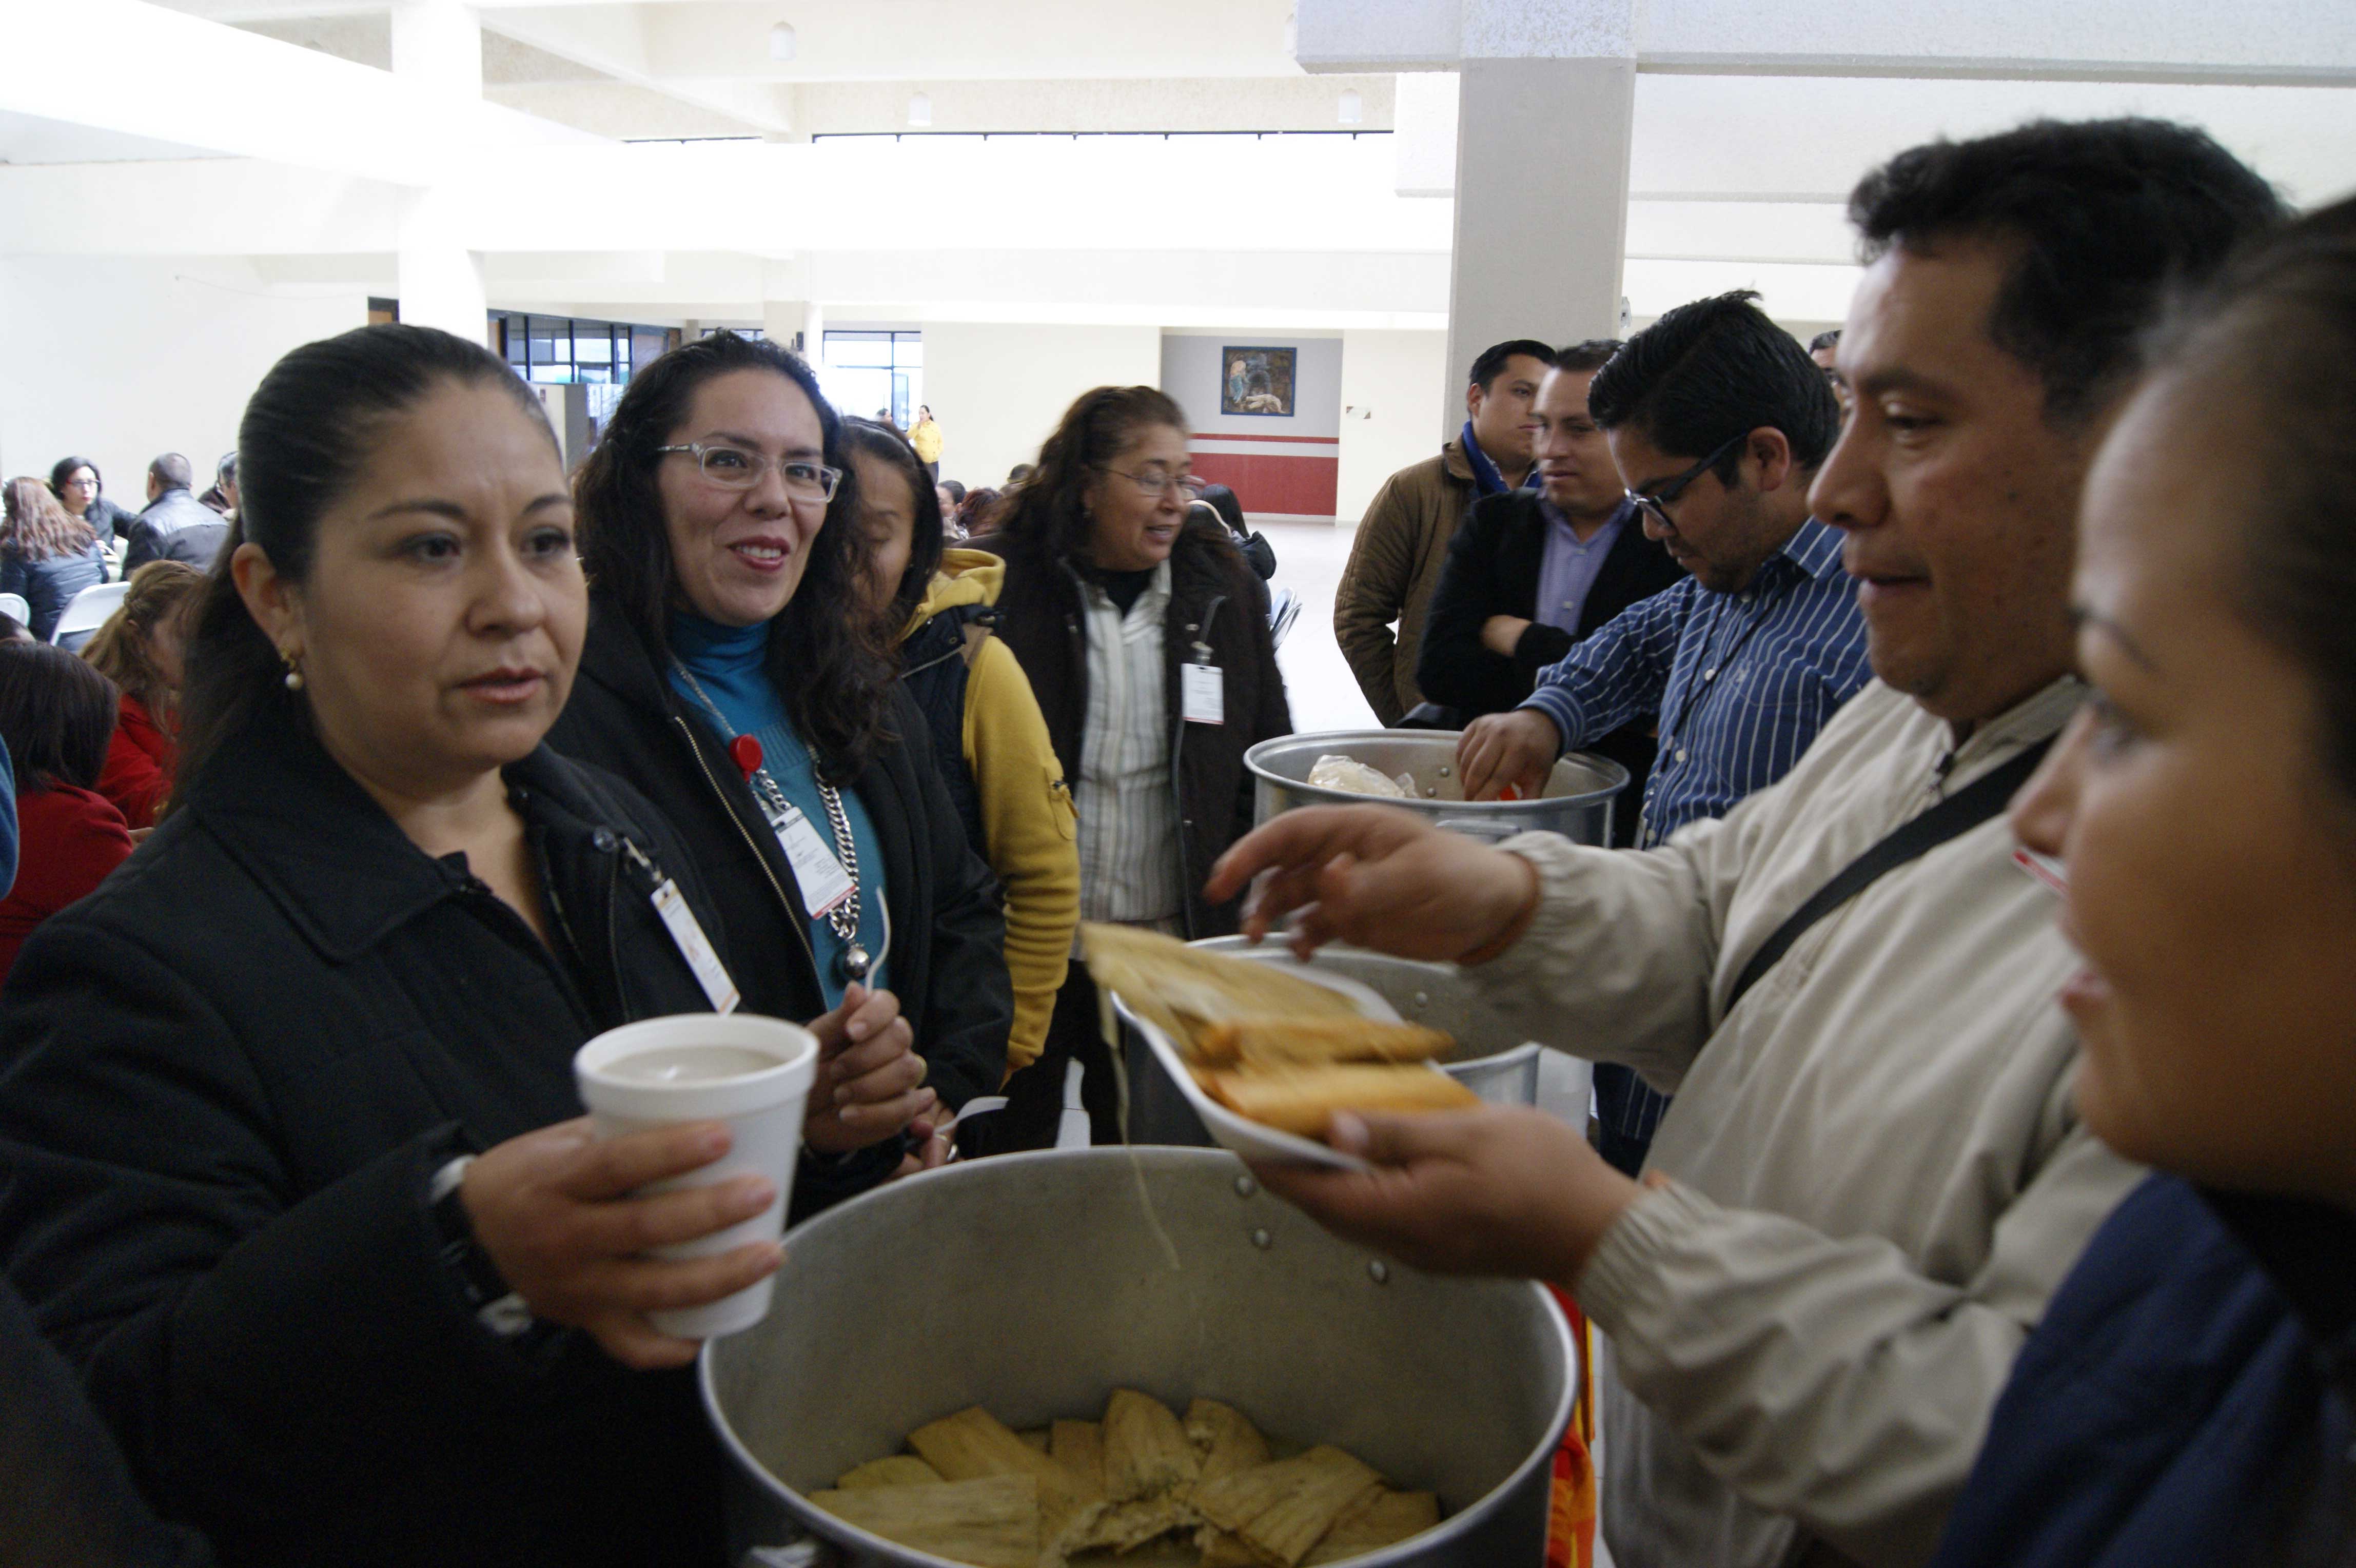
point(1214, 599)
point(1394, 567)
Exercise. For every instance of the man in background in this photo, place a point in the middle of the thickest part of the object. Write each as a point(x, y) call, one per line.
point(222, 497)
point(1403, 539)
point(176, 526)
point(1534, 571)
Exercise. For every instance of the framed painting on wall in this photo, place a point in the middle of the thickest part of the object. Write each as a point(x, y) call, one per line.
point(1258, 380)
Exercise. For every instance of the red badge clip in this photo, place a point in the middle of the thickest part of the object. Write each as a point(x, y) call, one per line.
point(746, 752)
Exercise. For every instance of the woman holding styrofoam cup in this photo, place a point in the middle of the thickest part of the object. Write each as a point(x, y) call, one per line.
point(298, 1175)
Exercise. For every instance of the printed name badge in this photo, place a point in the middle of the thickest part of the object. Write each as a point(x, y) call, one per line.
point(819, 875)
point(1203, 695)
point(695, 947)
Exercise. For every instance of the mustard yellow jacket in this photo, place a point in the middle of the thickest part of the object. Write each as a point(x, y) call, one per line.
point(1031, 837)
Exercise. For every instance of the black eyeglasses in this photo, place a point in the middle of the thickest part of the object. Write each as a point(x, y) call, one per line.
point(1660, 501)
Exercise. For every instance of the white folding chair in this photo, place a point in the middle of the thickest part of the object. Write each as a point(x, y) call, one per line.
point(89, 610)
point(13, 607)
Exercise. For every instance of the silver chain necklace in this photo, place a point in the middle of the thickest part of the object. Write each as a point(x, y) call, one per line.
point(844, 916)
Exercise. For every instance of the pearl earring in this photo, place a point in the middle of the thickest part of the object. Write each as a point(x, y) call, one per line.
point(293, 671)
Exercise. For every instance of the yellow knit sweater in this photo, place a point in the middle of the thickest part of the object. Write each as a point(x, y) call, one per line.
point(1029, 833)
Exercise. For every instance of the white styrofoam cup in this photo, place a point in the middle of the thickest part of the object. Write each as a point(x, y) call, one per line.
point(764, 1113)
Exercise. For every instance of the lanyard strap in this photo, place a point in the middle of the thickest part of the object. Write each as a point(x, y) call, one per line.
point(1959, 813)
point(843, 917)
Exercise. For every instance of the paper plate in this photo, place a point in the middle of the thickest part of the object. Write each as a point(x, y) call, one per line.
point(1238, 1134)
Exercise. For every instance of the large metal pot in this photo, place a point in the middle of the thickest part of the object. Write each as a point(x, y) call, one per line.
point(1494, 1059)
point(1034, 1284)
point(1577, 802)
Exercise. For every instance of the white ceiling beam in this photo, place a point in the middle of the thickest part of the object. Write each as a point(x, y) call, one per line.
point(617, 42)
point(182, 79)
point(2252, 42)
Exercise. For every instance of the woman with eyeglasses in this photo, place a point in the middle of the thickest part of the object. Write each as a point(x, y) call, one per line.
point(47, 553)
point(1145, 637)
point(736, 673)
point(77, 484)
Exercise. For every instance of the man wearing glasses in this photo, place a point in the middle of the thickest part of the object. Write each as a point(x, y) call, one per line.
point(1718, 422)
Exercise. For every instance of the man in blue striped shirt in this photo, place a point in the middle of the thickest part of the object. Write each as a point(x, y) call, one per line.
point(1718, 422)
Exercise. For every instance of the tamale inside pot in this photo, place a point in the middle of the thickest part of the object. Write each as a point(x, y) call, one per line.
point(1577, 802)
point(1034, 1284)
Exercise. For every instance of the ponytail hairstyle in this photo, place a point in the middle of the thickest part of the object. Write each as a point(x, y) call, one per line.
point(121, 649)
point(1050, 508)
point(308, 430)
point(865, 438)
point(830, 657)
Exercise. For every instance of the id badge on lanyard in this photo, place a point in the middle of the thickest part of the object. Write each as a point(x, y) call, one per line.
point(1202, 694)
point(819, 875)
point(679, 920)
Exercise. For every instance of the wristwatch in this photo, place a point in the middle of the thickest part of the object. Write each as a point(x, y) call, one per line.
point(497, 1307)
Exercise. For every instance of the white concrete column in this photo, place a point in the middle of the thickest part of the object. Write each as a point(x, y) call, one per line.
point(437, 46)
point(1542, 149)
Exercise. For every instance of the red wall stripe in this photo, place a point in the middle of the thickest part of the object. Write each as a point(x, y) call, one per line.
point(1304, 486)
point(1230, 435)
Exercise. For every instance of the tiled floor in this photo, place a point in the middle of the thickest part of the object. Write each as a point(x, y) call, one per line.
point(1309, 561)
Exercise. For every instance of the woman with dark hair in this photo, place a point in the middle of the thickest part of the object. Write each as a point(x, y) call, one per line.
point(47, 553)
point(79, 488)
point(736, 672)
point(986, 733)
point(2188, 1396)
point(140, 650)
point(1143, 634)
point(56, 715)
point(978, 512)
point(298, 1177)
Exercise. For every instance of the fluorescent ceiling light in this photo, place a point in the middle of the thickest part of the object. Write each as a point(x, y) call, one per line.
point(782, 42)
point(1353, 107)
point(920, 109)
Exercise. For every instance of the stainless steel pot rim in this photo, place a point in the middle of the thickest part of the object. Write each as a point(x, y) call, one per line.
point(820, 1521)
point(1615, 775)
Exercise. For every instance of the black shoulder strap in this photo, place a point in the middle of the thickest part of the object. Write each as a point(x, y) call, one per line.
point(1957, 814)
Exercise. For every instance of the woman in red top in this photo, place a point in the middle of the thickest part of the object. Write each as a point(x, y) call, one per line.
point(57, 714)
point(139, 650)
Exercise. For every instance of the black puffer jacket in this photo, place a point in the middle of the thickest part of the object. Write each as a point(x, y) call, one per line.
point(227, 1079)
point(1214, 599)
point(947, 962)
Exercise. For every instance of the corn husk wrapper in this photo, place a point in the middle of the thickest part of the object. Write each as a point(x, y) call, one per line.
point(1178, 989)
point(1385, 1518)
point(1125, 1527)
point(1036, 1437)
point(974, 1444)
point(1226, 1439)
point(1281, 1510)
point(1146, 1453)
point(991, 1522)
point(1221, 1549)
point(1303, 1100)
point(1078, 1447)
point(899, 1470)
point(1254, 1044)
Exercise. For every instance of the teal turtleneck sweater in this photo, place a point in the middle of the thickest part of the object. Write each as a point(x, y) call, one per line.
point(729, 662)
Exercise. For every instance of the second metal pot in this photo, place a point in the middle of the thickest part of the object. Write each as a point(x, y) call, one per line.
point(1577, 803)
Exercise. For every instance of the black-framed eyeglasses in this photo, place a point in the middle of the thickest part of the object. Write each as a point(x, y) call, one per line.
point(1157, 484)
point(1660, 501)
point(734, 468)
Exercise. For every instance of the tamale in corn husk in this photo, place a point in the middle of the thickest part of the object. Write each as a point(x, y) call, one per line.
point(1282, 1509)
point(991, 1522)
point(973, 1443)
point(1146, 1453)
point(899, 1470)
point(1263, 1043)
point(1036, 1437)
point(1078, 1447)
point(1303, 1100)
point(1385, 1518)
point(1179, 988)
point(1221, 1549)
point(1227, 1441)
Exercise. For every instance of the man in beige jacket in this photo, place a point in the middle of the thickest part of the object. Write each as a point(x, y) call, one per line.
point(1874, 1174)
point(1402, 540)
